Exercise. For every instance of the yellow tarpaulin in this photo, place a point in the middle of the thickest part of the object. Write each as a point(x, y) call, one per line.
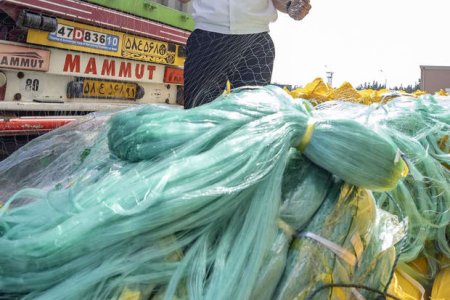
point(318, 91)
point(441, 286)
point(404, 286)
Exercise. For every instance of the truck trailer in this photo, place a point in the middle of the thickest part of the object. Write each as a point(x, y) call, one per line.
point(61, 59)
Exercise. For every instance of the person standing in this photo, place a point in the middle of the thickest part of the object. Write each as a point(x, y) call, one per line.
point(231, 42)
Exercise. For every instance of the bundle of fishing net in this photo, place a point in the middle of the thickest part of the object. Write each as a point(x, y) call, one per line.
point(165, 202)
point(420, 128)
point(333, 243)
point(423, 127)
point(340, 254)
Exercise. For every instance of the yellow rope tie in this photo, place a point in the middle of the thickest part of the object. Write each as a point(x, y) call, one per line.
point(228, 88)
point(307, 136)
point(285, 227)
point(403, 164)
point(405, 169)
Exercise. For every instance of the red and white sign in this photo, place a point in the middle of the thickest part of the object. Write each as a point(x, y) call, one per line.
point(103, 67)
point(174, 75)
point(23, 58)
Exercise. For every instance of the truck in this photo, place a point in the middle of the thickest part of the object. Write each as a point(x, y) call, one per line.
point(62, 59)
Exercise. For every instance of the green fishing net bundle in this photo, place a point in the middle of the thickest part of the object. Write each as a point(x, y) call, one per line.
point(166, 203)
point(421, 129)
point(332, 242)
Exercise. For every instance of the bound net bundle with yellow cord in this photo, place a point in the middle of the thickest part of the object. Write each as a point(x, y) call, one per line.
point(420, 127)
point(343, 245)
point(159, 202)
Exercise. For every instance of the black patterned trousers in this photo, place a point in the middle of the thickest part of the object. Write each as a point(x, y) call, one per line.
point(213, 58)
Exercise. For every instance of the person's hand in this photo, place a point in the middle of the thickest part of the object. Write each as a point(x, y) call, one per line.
point(281, 5)
point(298, 9)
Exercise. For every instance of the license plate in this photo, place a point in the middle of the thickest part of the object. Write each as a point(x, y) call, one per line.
point(109, 89)
point(148, 50)
point(84, 37)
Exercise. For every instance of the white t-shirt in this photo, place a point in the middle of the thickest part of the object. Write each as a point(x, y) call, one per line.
point(234, 16)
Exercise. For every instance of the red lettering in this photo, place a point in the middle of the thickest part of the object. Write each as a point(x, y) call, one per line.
point(109, 67)
point(91, 66)
point(125, 70)
point(173, 75)
point(139, 71)
point(150, 71)
point(78, 34)
point(72, 64)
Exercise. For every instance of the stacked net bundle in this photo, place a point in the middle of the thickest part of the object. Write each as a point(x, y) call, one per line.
point(207, 203)
point(420, 128)
point(332, 242)
point(340, 254)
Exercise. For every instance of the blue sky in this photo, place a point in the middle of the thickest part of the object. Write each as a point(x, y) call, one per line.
point(360, 40)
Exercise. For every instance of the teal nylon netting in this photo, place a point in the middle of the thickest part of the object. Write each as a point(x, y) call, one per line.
point(216, 203)
point(421, 129)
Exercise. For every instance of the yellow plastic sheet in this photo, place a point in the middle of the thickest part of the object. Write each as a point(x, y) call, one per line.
point(441, 92)
point(441, 285)
point(346, 92)
point(403, 289)
point(419, 93)
point(318, 91)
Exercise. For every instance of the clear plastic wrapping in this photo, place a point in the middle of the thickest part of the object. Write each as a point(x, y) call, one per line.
point(222, 182)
